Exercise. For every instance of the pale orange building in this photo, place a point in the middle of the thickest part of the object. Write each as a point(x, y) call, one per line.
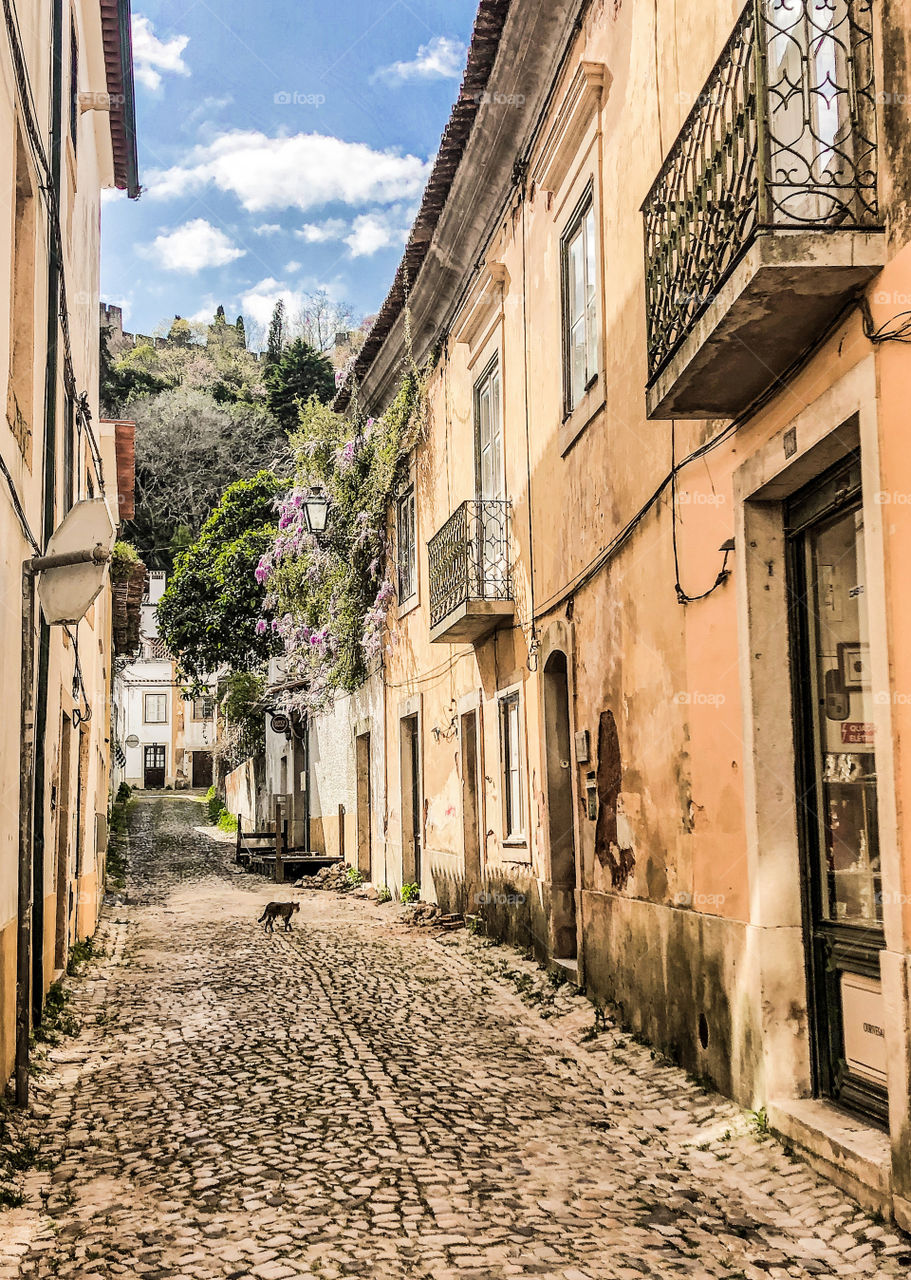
point(647, 696)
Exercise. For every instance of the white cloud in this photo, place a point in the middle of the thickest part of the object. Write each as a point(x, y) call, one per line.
point(440, 59)
point(152, 56)
point(267, 229)
point(372, 232)
point(206, 312)
point(193, 246)
point(303, 171)
point(321, 232)
point(258, 303)
point(292, 267)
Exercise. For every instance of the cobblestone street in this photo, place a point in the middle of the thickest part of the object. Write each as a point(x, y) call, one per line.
point(359, 1098)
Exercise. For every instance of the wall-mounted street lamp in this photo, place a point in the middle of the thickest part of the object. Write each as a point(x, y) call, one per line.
point(316, 510)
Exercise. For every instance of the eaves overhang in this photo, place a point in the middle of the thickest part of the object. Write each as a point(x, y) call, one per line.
point(118, 64)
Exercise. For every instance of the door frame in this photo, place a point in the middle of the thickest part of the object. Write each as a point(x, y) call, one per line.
point(561, 920)
point(471, 768)
point(146, 748)
point(411, 757)
point(364, 803)
point(560, 637)
point(841, 420)
point(63, 838)
point(830, 949)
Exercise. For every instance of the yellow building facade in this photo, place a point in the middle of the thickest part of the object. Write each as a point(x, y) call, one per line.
point(647, 683)
point(69, 65)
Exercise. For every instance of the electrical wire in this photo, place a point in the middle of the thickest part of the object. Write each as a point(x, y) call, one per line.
point(724, 573)
point(901, 332)
point(607, 553)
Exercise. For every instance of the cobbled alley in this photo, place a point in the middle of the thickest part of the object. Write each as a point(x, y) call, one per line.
point(361, 1098)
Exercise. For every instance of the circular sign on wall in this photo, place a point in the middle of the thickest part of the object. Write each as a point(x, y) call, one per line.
point(132, 740)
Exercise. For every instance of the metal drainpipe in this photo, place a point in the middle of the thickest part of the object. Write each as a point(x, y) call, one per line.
point(49, 514)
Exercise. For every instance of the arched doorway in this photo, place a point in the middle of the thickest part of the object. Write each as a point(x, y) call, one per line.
point(561, 830)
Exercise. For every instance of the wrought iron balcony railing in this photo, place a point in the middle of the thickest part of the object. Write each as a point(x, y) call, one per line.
point(783, 136)
point(469, 560)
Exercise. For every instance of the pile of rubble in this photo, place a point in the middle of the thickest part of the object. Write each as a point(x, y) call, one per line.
point(334, 877)
point(423, 914)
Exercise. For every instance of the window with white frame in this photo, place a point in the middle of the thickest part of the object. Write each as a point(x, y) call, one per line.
point(155, 708)
point(580, 303)
point(406, 545)
point(511, 767)
point(491, 484)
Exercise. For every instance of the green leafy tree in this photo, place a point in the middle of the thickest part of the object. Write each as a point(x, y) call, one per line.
point(299, 375)
point(180, 332)
point(210, 614)
point(121, 380)
point(330, 597)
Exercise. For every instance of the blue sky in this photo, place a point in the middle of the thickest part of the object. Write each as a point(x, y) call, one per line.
point(283, 147)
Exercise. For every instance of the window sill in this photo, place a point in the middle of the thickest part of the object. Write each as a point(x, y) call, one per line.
point(514, 860)
point(408, 606)
point(588, 408)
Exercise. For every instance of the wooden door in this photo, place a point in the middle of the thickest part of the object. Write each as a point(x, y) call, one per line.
point(154, 768)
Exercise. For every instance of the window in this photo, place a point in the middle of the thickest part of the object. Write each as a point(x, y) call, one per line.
point(511, 762)
point(155, 708)
point(580, 304)
point(489, 434)
point(203, 708)
point(20, 393)
point(406, 545)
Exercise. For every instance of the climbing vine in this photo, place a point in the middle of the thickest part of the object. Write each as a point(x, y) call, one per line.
point(328, 598)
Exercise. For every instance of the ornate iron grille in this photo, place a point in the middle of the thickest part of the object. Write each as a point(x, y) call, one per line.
point(783, 135)
point(469, 558)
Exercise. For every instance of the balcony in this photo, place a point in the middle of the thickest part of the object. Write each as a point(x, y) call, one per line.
point(470, 578)
point(764, 218)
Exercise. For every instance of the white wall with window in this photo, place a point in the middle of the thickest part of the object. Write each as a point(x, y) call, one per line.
point(581, 326)
point(145, 690)
point(490, 474)
point(512, 767)
point(155, 707)
point(406, 547)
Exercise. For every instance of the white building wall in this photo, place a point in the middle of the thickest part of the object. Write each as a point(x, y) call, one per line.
point(332, 776)
point(139, 678)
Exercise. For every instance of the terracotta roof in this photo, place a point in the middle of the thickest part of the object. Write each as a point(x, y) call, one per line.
point(482, 53)
point(125, 453)
point(118, 65)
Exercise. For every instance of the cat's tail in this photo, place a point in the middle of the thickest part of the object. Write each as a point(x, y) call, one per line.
point(263, 916)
